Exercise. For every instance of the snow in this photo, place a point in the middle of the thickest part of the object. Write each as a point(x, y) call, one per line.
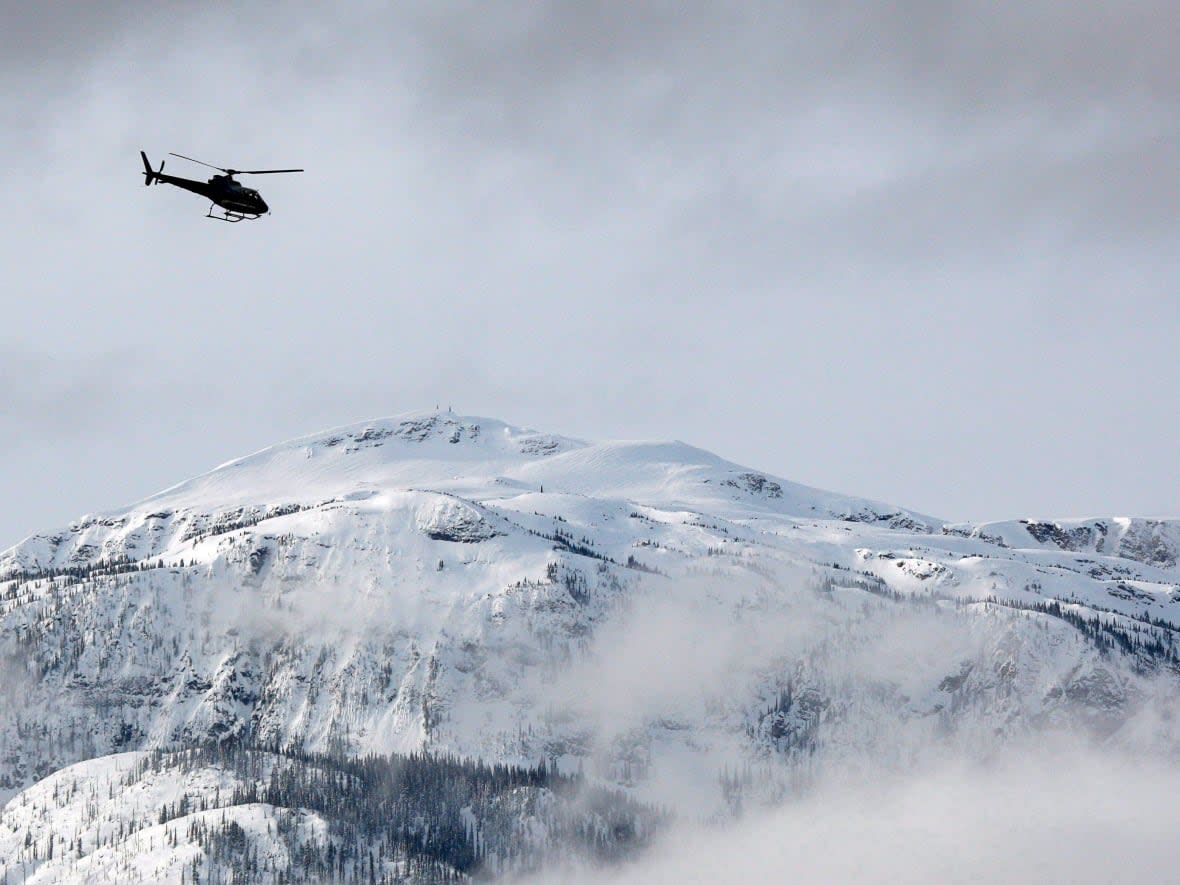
point(102, 817)
point(459, 584)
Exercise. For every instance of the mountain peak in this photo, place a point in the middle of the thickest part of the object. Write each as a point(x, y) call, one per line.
point(478, 459)
point(486, 458)
point(427, 429)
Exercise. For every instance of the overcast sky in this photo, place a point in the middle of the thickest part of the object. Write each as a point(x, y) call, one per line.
point(925, 253)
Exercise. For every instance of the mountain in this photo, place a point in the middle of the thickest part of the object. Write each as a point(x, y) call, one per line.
point(637, 616)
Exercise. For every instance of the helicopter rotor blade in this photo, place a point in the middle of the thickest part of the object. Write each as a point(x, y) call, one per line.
point(201, 162)
point(233, 171)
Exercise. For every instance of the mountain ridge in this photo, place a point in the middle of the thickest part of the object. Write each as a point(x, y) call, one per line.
point(432, 443)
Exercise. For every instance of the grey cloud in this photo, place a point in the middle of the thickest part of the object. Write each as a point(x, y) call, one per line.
point(43, 35)
point(516, 68)
point(962, 58)
point(979, 119)
point(40, 392)
point(659, 219)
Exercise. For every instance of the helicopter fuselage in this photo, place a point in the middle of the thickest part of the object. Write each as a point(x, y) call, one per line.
point(222, 190)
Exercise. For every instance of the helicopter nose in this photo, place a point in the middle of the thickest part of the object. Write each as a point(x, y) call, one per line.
point(263, 208)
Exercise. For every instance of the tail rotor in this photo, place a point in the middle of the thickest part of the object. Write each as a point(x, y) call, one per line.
point(150, 177)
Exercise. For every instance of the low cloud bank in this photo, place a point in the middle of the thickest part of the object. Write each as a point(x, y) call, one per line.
point(922, 743)
point(1043, 814)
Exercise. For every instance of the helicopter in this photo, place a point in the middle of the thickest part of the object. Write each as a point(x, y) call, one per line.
point(238, 203)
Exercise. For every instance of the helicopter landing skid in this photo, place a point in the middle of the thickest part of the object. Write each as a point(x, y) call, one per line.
point(230, 215)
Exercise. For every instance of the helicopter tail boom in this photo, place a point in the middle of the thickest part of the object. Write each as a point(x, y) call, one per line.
point(150, 176)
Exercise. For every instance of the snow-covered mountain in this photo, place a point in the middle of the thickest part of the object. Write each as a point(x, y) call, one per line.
point(646, 614)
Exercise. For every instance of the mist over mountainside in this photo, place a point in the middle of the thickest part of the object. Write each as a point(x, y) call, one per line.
point(642, 617)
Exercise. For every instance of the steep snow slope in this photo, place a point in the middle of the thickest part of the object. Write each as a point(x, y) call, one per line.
point(101, 820)
point(646, 612)
point(1154, 542)
point(472, 458)
point(233, 814)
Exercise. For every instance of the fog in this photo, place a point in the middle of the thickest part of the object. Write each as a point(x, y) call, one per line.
point(926, 743)
point(1045, 813)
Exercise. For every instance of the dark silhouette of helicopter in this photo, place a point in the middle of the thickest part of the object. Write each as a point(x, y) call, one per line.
point(238, 203)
